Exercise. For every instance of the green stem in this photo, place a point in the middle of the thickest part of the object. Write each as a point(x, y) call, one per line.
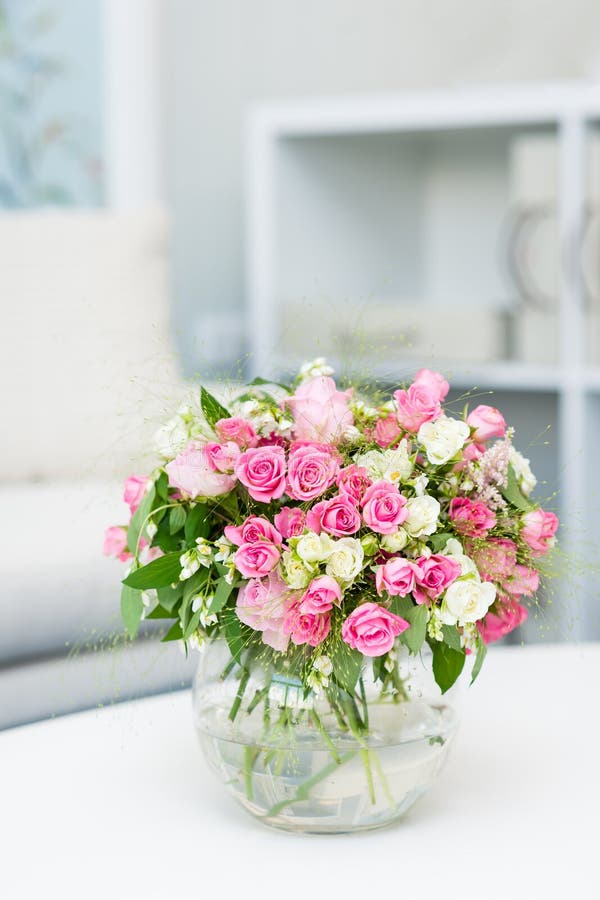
point(250, 754)
point(315, 717)
point(304, 789)
point(228, 669)
point(240, 693)
point(258, 696)
point(383, 780)
point(363, 697)
point(365, 755)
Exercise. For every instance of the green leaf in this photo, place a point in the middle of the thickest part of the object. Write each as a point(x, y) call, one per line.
point(157, 574)
point(452, 636)
point(414, 636)
point(229, 504)
point(347, 665)
point(258, 381)
point(163, 538)
point(131, 609)
point(161, 486)
point(177, 517)
point(513, 493)
point(447, 665)
point(439, 541)
point(221, 597)
point(139, 518)
point(192, 624)
point(160, 612)
point(197, 524)
point(212, 409)
point(234, 636)
point(401, 606)
point(174, 633)
point(169, 597)
point(481, 654)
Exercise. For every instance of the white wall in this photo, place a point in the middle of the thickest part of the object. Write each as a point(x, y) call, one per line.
point(224, 54)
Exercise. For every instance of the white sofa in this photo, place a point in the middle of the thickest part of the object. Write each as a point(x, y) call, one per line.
point(87, 371)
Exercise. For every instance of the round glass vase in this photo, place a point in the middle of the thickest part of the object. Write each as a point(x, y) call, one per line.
point(326, 762)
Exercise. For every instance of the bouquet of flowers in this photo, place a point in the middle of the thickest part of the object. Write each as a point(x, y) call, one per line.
point(318, 528)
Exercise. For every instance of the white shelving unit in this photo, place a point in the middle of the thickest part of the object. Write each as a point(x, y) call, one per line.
point(337, 189)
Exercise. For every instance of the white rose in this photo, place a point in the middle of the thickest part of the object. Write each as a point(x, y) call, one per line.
point(295, 573)
point(312, 548)
point(443, 438)
point(423, 513)
point(171, 438)
point(389, 465)
point(346, 559)
point(454, 549)
point(395, 542)
point(525, 477)
point(467, 601)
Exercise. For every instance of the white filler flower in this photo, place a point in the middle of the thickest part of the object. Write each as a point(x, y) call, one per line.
point(388, 465)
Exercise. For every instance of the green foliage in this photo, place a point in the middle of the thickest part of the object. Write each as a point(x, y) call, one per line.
point(177, 517)
point(163, 538)
point(452, 636)
point(160, 612)
point(138, 520)
point(161, 486)
point(197, 523)
point(212, 409)
point(513, 493)
point(157, 574)
point(170, 596)
point(175, 633)
point(221, 597)
point(131, 609)
point(401, 606)
point(479, 658)
point(414, 636)
point(447, 664)
point(258, 381)
point(439, 541)
point(347, 665)
point(233, 634)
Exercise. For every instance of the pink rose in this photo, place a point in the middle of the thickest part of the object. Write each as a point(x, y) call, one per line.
point(338, 516)
point(487, 421)
point(354, 480)
point(386, 431)
point(471, 517)
point(115, 543)
point(384, 507)
point(419, 404)
point(322, 594)
point(222, 457)
point(539, 528)
point(256, 560)
point(435, 382)
point(320, 411)
point(438, 572)
point(312, 469)
point(254, 530)
point(470, 453)
point(237, 430)
point(290, 521)
point(496, 625)
point(263, 605)
point(135, 488)
point(191, 471)
point(523, 581)
point(262, 471)
point(372, 629)
point(495, 559)
point(398, 577)
point(306, 628)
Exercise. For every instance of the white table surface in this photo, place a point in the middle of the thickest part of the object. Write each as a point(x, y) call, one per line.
point(118, 803)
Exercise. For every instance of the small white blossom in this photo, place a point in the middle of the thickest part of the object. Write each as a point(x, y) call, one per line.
point(318, 678)
point(525, 477)
point(392, 465)
point(189, 564)
point(352, 435)
point(420, 485)
point(151, 529)
point(323, 665)
point(434, 626)
point(454, 549)
point(172, 437)
point(316, 368)
point(224, 549)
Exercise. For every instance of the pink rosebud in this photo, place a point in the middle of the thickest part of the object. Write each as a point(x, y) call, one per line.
point(398, 577)
point(523, 581)
point(384, 507)
point(263, 604)
point(487, 422)
point(438, 573)
point(495, 559)
point(262, 471)
point(338, 516)
point(320, 411)
point(115, 543)
point(254, 530)
point(312, 469)
point(354, 480)
point(237, 430)
point(256, 560)
point(135, 488)
point(290, 521)
point(471, 517)
point(435, 382)
point(222, 457)
point(419, 404)
point(322, 594)
point(538, 530)
point(306, 628)
point(372, 629)
point(470, 453)
point(386, 431)
point(496, 625)
point(191, 472)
